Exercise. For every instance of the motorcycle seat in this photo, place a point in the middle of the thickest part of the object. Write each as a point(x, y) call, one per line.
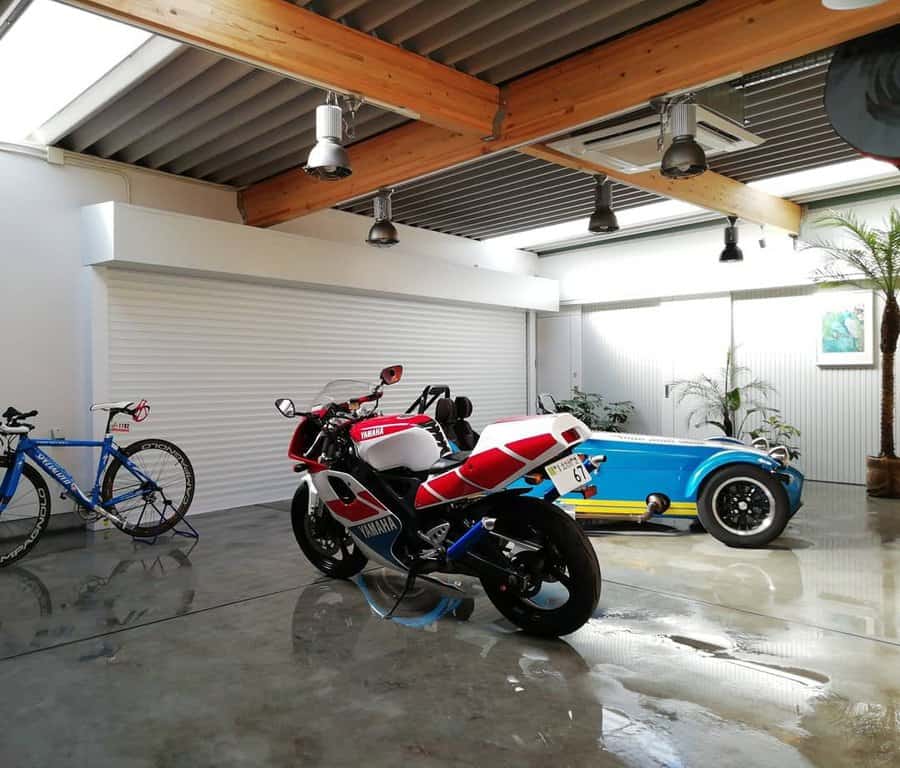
point(445, 415)
point(450, 461)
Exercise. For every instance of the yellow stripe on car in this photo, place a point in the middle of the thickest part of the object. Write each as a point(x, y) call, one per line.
point(622, 507)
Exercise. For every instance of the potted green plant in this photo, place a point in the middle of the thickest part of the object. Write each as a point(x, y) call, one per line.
point(871, 259)
point(733, 401)
point(596, 412)
point(725, 402)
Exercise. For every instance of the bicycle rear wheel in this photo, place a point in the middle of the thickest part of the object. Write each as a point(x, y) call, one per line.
point(26, 515)
point(154, 510)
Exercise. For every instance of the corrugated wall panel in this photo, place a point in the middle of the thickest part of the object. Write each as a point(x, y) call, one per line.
point(620, 359)
point(212, 355)
point(835, 408)
point(774, 332)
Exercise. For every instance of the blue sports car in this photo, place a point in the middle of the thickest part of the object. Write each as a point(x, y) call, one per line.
point(744, 496)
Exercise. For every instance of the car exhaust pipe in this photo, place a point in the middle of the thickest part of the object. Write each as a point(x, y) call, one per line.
point(657, 504)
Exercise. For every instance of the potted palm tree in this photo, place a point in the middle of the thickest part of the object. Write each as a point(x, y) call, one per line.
point(871, 259)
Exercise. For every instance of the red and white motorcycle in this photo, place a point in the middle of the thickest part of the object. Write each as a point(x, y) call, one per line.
point(389, 489)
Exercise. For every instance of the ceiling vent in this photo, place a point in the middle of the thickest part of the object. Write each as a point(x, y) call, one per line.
point(630, 144)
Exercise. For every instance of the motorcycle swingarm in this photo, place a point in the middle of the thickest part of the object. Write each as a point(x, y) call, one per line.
point(481, 563)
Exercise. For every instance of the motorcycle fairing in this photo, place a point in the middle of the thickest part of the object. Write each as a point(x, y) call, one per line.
point(372, 525)
point(506, 450)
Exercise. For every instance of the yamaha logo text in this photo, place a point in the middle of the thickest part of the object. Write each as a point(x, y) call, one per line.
point(377, 527)
point(368, 434)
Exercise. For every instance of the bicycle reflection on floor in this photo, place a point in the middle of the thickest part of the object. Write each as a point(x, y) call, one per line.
point(34, 615)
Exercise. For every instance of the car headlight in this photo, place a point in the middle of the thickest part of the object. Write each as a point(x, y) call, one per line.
point(781, 454)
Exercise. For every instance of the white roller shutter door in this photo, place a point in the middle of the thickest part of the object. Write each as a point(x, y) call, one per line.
point(211, 356)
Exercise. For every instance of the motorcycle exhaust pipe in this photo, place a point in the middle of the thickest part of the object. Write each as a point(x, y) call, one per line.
point(470, 538)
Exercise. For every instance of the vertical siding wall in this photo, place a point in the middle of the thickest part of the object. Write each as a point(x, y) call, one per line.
point(627, 354)
point(836, 409)
point(621, 360)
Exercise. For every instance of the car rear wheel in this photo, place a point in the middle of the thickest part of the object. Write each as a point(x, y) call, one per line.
point(743, 506)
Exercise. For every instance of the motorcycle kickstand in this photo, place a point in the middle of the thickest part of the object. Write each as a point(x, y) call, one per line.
point(418, 565)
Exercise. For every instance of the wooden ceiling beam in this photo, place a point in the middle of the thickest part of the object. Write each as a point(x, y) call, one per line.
point(712, 42)
point(708, 190)
point(408, 152)
point(284, 38)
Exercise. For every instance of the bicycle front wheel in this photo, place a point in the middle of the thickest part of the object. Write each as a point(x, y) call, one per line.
point(25, 516)
point(149, 509)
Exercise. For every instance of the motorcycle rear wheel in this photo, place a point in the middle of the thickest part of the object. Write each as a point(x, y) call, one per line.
point(323, 540)
point(566, 559)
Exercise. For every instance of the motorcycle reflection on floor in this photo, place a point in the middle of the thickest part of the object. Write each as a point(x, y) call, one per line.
point(359, 668)
point(389, 489)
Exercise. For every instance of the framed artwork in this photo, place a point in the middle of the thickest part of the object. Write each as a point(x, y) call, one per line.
point(845, 328)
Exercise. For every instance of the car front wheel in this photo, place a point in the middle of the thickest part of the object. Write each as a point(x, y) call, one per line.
point(743, 506)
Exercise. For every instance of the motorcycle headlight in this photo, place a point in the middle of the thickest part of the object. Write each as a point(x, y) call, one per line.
point(781, 454)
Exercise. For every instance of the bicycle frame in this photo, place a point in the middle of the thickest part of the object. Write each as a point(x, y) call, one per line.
point(31, 448)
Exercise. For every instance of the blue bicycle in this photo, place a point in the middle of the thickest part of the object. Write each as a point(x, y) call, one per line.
point(143, 489)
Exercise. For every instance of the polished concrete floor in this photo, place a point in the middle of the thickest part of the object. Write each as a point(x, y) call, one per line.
point(232, 651)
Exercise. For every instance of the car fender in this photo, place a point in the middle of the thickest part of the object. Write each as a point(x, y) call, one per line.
point(722, 459)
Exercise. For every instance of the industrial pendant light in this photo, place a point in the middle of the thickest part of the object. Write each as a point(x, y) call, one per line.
point(731, 252)
point(383, 233)
point(603, 219)
point(685, 157)
point(328, 160)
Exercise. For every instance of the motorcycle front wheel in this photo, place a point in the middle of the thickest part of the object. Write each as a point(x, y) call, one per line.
point(558, 583)
point(323, 540)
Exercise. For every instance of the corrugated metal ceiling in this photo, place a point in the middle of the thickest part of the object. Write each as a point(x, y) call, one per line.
point(505, 193)
point(512, 193)
point(201, 115)
point(211, 118)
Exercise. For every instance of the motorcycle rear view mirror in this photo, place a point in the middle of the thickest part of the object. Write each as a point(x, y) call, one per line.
point(286, 407)
point(391, 374)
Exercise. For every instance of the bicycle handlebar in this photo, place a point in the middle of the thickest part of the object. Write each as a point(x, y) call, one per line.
point(14, 416)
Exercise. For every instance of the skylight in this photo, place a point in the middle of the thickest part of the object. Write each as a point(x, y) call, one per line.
point(829, 177)
point(570, 230)
point(825, 178)
point(56, 52)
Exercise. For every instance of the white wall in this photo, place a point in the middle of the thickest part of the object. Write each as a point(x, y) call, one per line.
point(351, 229)
point(622, 360)
point(558, 352)
point(44, 287)
point(686, 263)
point(836, 409)
point(628, 342)
point(134, 236)
point(46, 292)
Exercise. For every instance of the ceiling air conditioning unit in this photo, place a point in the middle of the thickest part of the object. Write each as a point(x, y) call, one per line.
point(630, 144)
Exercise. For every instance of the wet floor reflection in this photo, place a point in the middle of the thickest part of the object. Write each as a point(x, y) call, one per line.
point(650, 684)
point(699, 655)
point(151, 583)
point(835, 566)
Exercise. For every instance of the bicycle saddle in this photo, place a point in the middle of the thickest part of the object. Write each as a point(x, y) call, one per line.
point(123, 406)
point(138, 410)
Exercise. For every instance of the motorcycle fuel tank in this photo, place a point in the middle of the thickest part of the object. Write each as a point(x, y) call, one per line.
point(391, 442)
